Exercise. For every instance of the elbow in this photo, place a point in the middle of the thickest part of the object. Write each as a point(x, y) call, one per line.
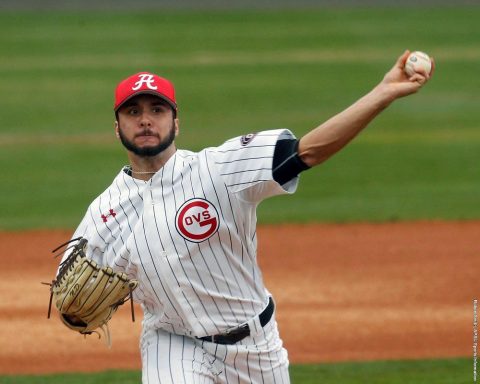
point(311, 158)
point(315, 155)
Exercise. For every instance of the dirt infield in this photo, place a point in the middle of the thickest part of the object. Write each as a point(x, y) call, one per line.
point(343, 292)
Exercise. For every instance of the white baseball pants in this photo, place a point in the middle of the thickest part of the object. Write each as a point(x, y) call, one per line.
point(172, 359)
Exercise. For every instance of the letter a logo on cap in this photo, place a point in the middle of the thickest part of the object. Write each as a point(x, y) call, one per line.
point(144, 79)
point(144, 82)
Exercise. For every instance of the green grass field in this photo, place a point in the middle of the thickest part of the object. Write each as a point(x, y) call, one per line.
point(238, 72)
point(447, 371)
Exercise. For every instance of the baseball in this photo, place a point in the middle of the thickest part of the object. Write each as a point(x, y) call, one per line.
point(416, 62)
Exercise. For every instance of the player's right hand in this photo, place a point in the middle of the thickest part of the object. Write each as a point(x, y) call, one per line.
point(396, 83)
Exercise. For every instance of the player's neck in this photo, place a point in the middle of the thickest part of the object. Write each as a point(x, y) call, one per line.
point(144, 167)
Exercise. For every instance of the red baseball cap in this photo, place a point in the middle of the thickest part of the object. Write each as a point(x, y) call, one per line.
point(141, 83)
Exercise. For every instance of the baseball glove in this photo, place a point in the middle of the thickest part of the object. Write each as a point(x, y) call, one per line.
point(87, 295)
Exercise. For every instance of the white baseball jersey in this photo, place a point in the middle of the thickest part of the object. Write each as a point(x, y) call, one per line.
point(189, 234)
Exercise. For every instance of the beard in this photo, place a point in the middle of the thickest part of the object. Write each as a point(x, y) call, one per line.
point(148, 151)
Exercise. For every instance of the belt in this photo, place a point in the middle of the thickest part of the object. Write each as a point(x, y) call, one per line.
point(237, 334)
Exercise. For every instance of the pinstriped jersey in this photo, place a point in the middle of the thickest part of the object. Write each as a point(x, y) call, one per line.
point(189, 234)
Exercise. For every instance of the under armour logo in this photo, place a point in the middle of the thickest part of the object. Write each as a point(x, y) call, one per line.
point(111, 212)
point(144, 79)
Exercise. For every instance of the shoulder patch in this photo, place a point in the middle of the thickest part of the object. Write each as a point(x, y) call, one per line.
point(246, 139)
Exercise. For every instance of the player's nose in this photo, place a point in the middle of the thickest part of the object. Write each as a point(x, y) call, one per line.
point(145, 121)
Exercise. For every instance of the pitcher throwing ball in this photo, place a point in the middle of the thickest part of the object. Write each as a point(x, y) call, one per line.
point(183, 225)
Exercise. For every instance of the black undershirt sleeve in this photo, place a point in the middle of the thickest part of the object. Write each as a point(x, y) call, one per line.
point(286, 162)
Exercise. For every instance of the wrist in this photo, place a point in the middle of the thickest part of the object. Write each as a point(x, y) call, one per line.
point(382, 95)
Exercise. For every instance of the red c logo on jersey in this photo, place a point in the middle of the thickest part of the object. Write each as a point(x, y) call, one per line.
point(197, 220)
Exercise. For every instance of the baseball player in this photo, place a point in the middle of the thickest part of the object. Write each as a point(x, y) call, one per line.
point(184, 225)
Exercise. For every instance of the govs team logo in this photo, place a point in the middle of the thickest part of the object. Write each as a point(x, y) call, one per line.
point(197, 220)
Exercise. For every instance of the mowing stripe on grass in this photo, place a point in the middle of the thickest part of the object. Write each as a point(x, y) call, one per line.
point(443, 371)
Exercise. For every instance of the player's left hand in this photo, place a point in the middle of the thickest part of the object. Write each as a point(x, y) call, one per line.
point(86, 294)
point(396, 83)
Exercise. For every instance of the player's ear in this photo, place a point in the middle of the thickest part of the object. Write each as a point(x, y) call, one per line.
point(177, 126)
point(116, 130)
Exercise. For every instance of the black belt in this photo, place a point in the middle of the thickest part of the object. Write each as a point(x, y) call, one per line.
point(243, 331)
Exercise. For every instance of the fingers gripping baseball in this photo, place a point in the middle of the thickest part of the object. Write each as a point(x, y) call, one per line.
point(398, 83)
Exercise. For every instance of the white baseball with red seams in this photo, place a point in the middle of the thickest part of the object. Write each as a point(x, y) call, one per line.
point(418, 61)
